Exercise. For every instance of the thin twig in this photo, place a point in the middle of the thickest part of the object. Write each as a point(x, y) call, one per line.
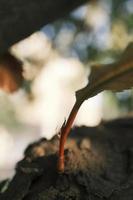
point(64, 134)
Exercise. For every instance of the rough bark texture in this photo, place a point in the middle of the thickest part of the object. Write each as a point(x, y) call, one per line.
point(99, 165)
point(20, 18)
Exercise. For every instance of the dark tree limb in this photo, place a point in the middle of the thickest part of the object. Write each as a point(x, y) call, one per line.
point(20, 18)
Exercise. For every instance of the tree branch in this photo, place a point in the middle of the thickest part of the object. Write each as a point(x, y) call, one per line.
point(20, 18)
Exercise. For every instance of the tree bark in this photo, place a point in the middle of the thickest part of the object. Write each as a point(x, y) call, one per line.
point(19, 19)
point(99, 165)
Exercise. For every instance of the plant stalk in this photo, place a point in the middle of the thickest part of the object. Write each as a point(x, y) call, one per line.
point(64, 134)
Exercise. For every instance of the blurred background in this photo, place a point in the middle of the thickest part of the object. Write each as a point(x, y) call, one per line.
point(57, 62)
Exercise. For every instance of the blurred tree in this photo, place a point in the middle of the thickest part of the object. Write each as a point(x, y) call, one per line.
point(97, 31)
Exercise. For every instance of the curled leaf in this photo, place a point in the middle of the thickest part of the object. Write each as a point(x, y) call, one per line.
point(10, 73)
point(116, 76)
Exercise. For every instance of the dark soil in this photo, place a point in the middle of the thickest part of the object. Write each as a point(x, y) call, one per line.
point(99, 165)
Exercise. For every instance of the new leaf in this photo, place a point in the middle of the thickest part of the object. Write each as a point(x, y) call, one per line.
point(116, 76)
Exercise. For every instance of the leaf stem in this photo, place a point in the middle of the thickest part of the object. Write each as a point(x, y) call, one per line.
point(64, 134)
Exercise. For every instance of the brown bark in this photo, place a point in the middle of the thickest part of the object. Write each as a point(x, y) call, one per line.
point(99, 165)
